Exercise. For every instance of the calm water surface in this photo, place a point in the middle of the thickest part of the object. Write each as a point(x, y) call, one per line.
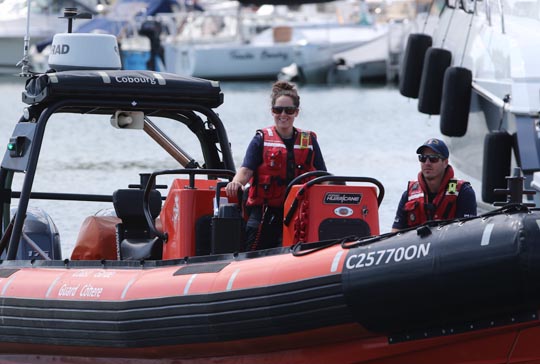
point(363, 130)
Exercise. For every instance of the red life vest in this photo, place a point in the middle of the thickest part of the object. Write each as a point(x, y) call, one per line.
point(269, 181)
point(443, 207)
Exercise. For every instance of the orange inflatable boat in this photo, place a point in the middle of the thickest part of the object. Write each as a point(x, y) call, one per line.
point(163, 278)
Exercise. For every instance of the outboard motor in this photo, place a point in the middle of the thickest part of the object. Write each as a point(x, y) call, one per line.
point(40, 238)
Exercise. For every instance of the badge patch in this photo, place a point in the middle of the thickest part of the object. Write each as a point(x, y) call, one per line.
point(304, 140)
point(452, 187)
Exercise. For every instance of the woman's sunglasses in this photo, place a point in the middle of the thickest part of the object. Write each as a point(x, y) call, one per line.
point(289, 110)
point(433, 158)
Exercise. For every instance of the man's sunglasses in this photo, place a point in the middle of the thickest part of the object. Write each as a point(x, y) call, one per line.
point(433, 158)
point(289, 110)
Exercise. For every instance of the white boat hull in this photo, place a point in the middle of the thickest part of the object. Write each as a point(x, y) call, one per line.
point(364, 48)
point(44, 24)
point(227, 61)
point(502, 54)
point(12, 52)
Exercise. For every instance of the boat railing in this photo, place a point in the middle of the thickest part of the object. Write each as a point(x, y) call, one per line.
point(488, 9)
point(217, 25)
point(486, 94)
point(502, 103)
point(501, 10)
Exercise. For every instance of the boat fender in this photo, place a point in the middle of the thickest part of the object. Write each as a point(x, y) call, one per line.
point(456, 101)
point(97, 239)
point(436, 61)
point(478, 269)
point(496, 164)
point(413, 61)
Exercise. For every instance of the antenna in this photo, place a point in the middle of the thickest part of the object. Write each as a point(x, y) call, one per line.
point(69, 13)
point(24, 62)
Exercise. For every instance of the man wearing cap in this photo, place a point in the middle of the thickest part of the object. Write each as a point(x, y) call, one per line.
point(436, 195)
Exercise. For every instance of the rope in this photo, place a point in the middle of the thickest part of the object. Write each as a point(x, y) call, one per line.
point(255, 244)
point(302, 218)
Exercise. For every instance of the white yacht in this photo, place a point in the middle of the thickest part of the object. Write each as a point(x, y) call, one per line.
point(481, 75)
point(228, 56)
point(44, 24)
point(321, 49)
point(368, 46)
point(246, 44)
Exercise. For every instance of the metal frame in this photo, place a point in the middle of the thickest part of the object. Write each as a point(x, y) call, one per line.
point(208, 133)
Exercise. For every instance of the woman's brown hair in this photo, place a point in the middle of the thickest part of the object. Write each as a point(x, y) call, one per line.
point(283, 88)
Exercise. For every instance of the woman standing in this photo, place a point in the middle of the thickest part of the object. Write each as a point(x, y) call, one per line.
point(274, 157)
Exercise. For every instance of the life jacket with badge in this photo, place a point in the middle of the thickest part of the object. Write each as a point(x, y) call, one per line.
point(419, 210)
point(270, 180)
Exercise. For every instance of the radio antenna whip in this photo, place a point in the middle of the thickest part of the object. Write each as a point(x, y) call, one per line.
point(69, 13)
point(24, 63)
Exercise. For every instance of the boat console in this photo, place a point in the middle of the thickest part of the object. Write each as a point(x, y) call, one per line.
point(327, 208)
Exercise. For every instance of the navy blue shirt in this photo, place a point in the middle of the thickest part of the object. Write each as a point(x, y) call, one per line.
point(254, 157)
point(465, 206)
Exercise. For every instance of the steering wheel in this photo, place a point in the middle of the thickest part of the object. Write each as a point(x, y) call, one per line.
point(300, 178)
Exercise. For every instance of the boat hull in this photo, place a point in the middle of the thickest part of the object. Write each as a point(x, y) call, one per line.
point(12, 53)
point(43, 24)
point(518, 345)
point(167, 283)
point(452, 293)
point(228, 61)
point(320, 55)
point(501, 55)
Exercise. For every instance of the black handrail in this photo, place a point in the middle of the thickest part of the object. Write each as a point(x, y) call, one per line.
point(239, 194)
point(65, 196)
point(319, 180)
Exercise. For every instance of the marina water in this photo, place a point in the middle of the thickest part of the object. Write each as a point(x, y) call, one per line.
point(363, 130)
